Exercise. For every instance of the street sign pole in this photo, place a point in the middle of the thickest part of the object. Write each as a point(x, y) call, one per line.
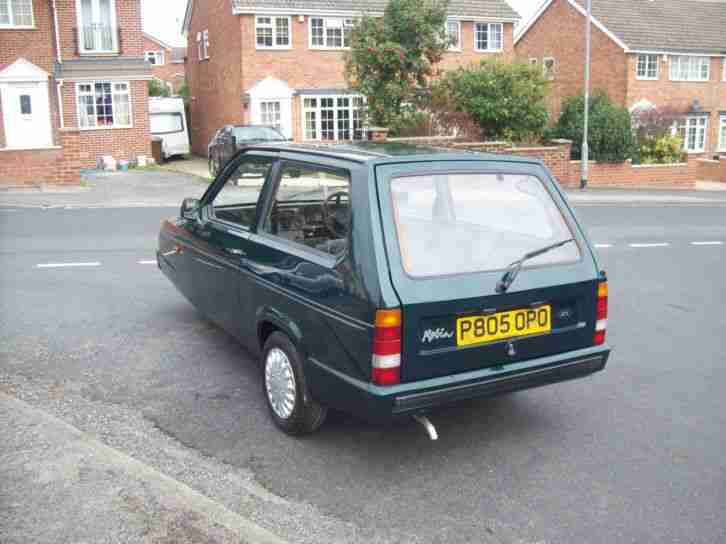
point(585, 148)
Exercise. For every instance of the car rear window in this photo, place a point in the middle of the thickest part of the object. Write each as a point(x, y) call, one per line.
point(476, 222)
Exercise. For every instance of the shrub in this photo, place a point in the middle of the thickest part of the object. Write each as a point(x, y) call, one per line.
point(504, 101)
point(158, 88)
point(610, 135)
point(664, 150)
point(392, 57)
point(655, 142)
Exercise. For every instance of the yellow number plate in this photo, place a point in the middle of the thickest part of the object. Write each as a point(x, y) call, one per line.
point(480, 329)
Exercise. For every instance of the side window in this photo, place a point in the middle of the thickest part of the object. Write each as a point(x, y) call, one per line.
point(312, 207)
point(236, 202)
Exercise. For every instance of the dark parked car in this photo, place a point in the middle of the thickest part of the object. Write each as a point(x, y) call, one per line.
point(231, 139)
point(385, 280)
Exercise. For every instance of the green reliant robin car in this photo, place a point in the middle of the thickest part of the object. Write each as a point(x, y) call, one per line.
point(385, 280)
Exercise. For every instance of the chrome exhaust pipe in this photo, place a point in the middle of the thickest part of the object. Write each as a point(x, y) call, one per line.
point(430, 429)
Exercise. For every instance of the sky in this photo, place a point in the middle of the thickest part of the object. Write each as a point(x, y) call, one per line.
point(163, 18)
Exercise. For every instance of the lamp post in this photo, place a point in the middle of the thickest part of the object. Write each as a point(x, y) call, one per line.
point(585, 149)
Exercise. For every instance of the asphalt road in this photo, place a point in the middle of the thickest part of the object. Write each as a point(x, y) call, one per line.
point(633, 454)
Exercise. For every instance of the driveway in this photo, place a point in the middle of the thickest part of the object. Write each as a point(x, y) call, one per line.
point(192, 165)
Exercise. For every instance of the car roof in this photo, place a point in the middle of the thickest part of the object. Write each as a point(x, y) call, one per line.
point(387, 152)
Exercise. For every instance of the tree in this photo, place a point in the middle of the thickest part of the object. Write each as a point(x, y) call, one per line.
point(505, 101)
point(392, 57)
point(158, 88)
point(610, 132)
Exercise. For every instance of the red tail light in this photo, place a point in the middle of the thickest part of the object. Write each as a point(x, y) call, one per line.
point(601, 323)
point(386, 362)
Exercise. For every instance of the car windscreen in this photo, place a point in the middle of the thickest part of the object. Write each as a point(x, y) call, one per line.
point(256, 134)
point(476, 222)
point(165, 123)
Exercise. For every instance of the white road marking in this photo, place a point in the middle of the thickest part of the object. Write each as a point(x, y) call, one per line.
point(66, 265)
point(147, 262)
point(603, 245)
point(714, 243)
point(659, 244)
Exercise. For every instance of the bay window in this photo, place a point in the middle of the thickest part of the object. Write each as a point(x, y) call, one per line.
point(104, 104)
point(333, 118)
point(647, 67)
point(330, 33)
point(692, 131)
point(273, 32)
point(16, 13)
point(97, 26)
point(488, 36)
point(689, 68)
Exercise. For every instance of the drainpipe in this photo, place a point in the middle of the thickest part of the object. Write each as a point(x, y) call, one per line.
point(59, 83)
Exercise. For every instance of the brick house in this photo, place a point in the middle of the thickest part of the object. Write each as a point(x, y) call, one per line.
point(73, 87)
point(645, 53)
point(167, 62)
point(276, 62)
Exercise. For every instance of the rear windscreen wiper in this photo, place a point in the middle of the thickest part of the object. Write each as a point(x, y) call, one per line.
point(513, 269)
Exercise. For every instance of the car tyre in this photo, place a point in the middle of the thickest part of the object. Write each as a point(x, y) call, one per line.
point(291, 406)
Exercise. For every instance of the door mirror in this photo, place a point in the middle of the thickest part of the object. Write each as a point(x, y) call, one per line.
point(190, 208)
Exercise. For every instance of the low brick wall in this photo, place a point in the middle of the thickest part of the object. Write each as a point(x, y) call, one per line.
point(31, 167)
point(712, 170)
point(557, 158)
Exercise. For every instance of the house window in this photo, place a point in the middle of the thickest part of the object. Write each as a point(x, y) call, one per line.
point(97, 26)
point(333, 118)
point(16, 13)
point(453, 32)
point(722, 133)
point(270, 114)
point(155, 57)
point(330, 33)
point(273, 32)
point(549, 68)
point(685, 68)
point(104, 104)
point(693, 132)
point(647, 67)
point(488, 36)
point(202, 45)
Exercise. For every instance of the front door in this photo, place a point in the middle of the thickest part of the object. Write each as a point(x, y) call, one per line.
point(275, 113)
point(26, 112)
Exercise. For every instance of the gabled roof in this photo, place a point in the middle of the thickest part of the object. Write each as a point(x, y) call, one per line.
point(669, 26)
point(498, 10)
point(157, 40)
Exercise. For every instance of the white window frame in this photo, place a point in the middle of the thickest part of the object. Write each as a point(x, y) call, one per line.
point(489, 48)
point(552, 75)
point(105, 127)
point(276, 112)
point(346, 24)
point(691, 58)
point(273, 25)
point(723, 62)
point(722, 132)
point(647, 64)
point(458, 45)
point(114, 28)
point(158, 56)
point(11, 15)
point(203, 45)
point(687, 121)
point(318, 116)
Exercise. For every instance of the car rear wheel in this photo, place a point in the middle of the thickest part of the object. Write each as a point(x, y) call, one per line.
point(292, 408)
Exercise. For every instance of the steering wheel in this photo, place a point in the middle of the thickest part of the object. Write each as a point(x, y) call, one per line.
point(336, 219)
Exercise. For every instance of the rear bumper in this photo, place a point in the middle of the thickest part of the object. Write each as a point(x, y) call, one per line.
point(384, 403)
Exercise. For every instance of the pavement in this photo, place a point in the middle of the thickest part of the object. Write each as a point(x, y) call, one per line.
point(125, 416)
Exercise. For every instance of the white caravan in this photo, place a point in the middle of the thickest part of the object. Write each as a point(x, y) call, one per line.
point(168, 122)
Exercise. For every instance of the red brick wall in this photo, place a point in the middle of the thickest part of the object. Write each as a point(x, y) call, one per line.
point(215, 84)
point(128, 19)
point(121, 143)
point(712, 170)
point(559, 33)
point(35, 167)
point(679, 95)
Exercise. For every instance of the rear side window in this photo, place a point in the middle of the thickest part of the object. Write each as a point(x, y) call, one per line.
point(465, 223)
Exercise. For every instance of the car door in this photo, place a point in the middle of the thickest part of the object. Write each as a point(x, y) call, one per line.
point(222, 237)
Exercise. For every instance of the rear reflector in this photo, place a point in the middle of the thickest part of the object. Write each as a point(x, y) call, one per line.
point(601, 323)
point(386, 360)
